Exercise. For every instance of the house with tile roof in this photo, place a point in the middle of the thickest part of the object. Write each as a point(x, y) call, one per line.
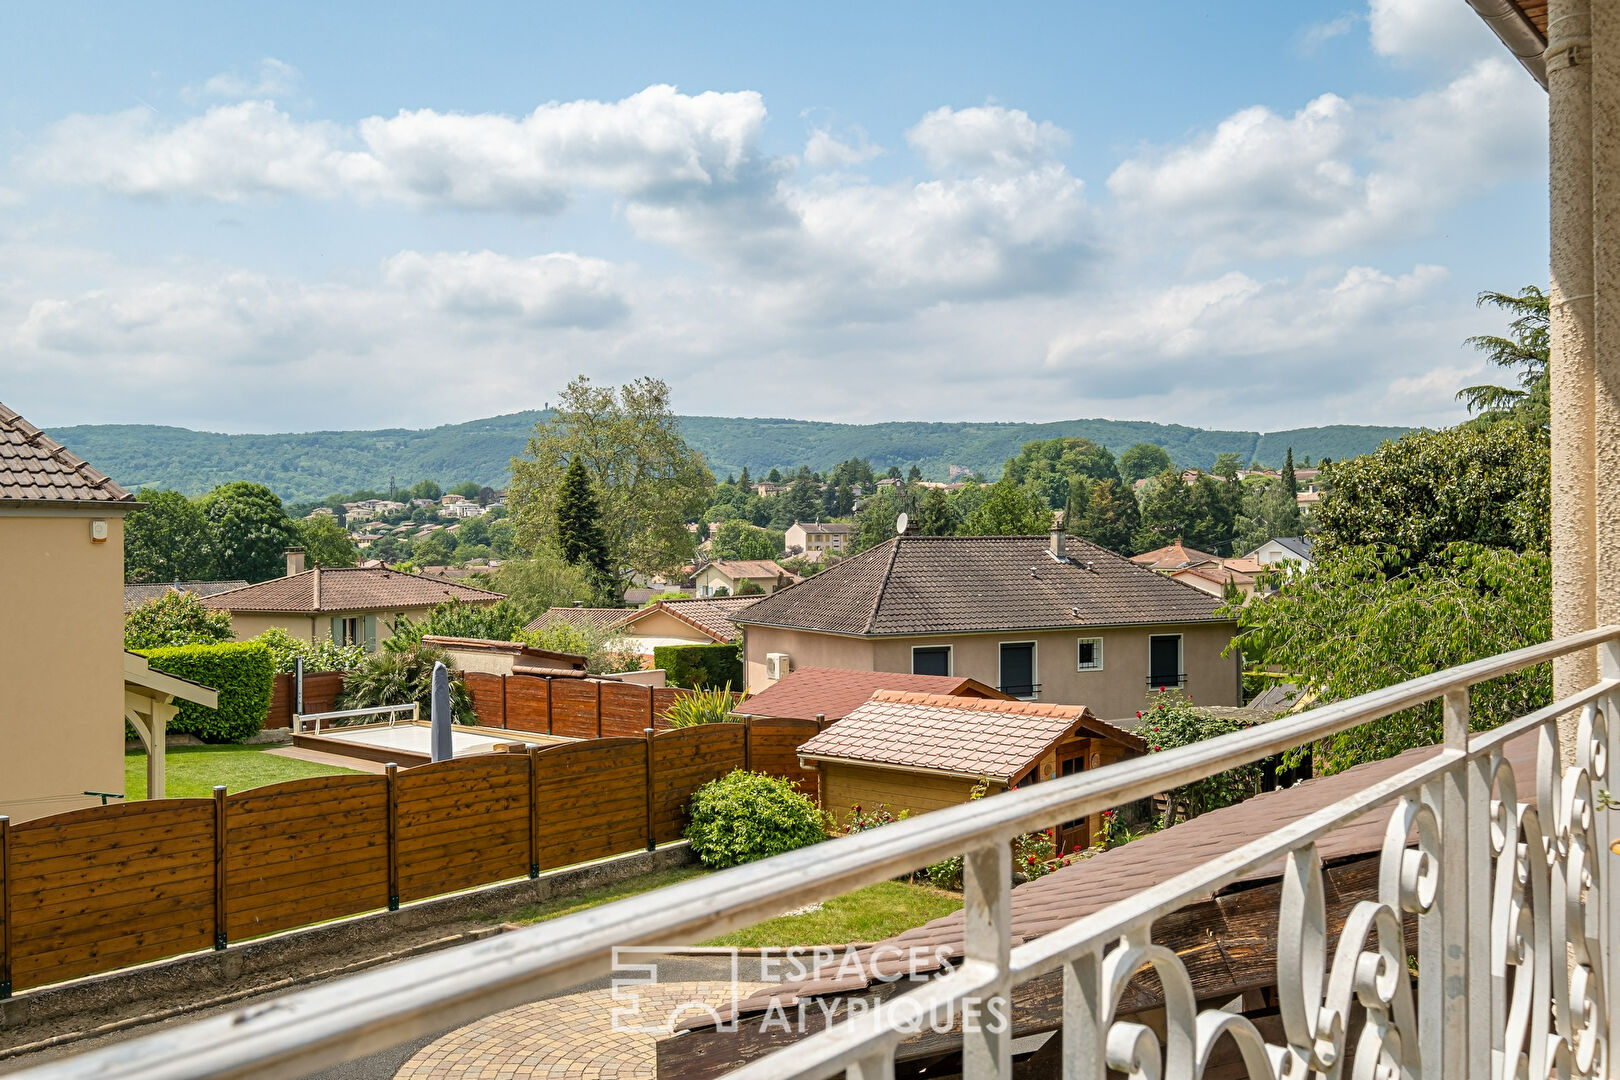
point(728, 577)
point(917, 751)
point(353, 606)
point(1172, 557)
point(62, 637)
point(1048, 618)
point(831, 694)
point(1283, 549)
point(819, 537)
point(667, 622)
point(136, 595)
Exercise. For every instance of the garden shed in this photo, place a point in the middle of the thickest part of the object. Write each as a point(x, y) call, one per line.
point(916, 752)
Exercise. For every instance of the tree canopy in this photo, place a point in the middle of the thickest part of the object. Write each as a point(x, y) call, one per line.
point(1048, 466)
point(648, 480)
point(251, 531)
point(326, 543)
point(168, 539)
point(1523, 351)
point(1142, 461)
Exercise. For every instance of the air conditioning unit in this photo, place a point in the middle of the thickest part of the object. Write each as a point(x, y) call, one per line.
point(777, 664)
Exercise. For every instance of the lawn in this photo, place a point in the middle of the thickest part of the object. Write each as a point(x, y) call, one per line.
point(870, 914)
point(192, 771)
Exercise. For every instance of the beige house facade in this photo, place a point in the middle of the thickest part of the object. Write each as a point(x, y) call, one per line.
point(817, 537)
point(62, 637)
point(727, 578)
point(1037, 618)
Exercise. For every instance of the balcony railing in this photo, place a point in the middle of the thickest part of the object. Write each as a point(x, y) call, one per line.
point(1516, 924)
point(1021, 690)
point(1164, 682)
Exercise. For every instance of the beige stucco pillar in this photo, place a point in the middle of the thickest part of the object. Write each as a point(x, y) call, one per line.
point(1574, 432)
point(1605, 66)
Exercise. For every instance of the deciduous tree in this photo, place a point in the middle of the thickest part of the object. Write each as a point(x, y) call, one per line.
point(168, 539)
point(251, 531)
point(326, 543)
point(1009, 510)
point(1142, 461)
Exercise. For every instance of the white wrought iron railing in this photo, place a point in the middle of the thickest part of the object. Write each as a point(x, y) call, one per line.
point(1516, 926)
point(353, 717)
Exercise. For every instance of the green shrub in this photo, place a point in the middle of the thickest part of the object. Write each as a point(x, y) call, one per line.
point(703, 707)
point(697, 667)
point(604, 651)
point(175, 618)
point(322, 655)
point(399, 678)
point(241, 671)
point(745, 816)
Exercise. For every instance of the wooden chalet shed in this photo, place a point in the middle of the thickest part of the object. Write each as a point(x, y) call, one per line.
point(918, 752)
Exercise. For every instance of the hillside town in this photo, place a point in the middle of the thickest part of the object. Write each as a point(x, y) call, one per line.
point(682, 746)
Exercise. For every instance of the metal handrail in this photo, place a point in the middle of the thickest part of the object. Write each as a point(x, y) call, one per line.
point(316, 1028)
point(391, 711)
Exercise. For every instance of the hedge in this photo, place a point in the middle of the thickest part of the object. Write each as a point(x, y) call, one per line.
point(698, 667)
point(242, 672)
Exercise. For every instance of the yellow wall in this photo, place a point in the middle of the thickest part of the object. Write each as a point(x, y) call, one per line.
point(1115, 692)
point(844, 786)
point(661, 624)
point(61, 660)
point(248, 624)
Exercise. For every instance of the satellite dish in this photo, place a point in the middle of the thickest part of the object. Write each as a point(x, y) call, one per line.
point(901, 523)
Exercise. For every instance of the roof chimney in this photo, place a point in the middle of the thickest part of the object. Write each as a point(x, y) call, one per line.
point(1059, 544)
point(317, 588)
point(295, 561)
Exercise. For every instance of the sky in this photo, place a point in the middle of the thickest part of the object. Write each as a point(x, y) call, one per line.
point(304, 217)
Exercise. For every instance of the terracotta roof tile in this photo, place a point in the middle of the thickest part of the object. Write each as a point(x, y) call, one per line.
point(352, 589)
point(712, 614)
point(36, 468)
point(998, 740)
point(593, 618)
point(836, 692)
point(956, 584)
point(1173, 557)
point(136, 595)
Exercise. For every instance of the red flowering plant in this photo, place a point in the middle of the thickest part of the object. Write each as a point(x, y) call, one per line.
point(862, 820)
point(1171, 721)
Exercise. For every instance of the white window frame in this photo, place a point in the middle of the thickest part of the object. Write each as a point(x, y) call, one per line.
point(1181, 656)
point(1096, 652)
point(950, 657)
point(1034, 667)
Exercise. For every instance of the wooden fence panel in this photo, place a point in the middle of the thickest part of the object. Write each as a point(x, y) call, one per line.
point(462, 823)
point(102, 888)
point(626, 709)
point(663, 698)
point(282, 696)
point(322, 690)
point(487, 697)
point(590, 800)
point(528, 703)
point(683, 761)
point(573, 708)
point(305, 851)
point(773, 747)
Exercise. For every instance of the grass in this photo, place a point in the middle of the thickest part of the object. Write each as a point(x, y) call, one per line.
point(192, 771)
point(602, 894)
point(870, 914)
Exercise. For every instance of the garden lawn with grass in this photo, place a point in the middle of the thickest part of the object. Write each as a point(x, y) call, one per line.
point(870, 914)
point(192, 771)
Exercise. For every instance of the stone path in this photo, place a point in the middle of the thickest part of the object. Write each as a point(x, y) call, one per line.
point(570, 1037)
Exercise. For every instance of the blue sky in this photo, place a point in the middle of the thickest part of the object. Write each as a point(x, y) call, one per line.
point(247, 219)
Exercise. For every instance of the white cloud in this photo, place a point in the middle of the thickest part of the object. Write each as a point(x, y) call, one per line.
point(274, 79)
point(1418, 31)
point(546, 290)
point(1319, 34)
point(1338, 173)
point(824, 150)
point(986, 139)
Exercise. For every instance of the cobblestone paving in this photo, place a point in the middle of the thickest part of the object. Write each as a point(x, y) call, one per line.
point(569, 1038)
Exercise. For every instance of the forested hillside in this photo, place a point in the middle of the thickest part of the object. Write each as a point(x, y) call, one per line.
point(311, 465)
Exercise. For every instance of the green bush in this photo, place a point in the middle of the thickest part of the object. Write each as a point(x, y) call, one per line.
point(698, 667)
point(399, 678)
point(242, 673)
point(175, 618)
point(745, 816)
point(322, 655)
point(703, 707)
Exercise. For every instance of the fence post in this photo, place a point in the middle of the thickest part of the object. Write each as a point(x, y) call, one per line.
point(5, 906)
point(748, 744)
point(652, 716)
point(598, 708)
point(821, 722)
point(219, 867)
point(503, 701)
point(391, 771)
point(534, 810)
point(548, 706)
point(652, 836)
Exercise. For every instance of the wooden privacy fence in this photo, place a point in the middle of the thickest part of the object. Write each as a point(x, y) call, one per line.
point(102, 888)
point(577, 708)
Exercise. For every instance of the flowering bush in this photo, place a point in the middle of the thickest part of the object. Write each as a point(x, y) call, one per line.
point(1171, 721)
point(860, 820)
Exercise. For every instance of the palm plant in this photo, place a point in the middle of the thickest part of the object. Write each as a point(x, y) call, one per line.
point(399, 678)
point(711, 706)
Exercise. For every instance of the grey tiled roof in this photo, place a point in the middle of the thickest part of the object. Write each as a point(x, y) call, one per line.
point(962, 584)
point(136, 595)
point(351, 589)
point(36, 468)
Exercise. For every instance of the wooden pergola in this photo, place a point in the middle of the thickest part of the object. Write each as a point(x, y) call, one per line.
point(150, 702)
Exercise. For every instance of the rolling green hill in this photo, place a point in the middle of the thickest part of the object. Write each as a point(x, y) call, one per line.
point(311, 465)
